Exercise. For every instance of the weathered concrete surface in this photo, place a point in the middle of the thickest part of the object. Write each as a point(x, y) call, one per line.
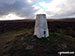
point(41, 27)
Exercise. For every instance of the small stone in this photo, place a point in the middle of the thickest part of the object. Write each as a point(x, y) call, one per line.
point(48, 39)
point(6, 46)
point(25, 44)
point(33, 40)
point(29, 47)
point(22, 38)
point(63, 46)
point(8, 41)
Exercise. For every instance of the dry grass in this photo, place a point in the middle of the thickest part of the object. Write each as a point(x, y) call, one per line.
point(23, 43)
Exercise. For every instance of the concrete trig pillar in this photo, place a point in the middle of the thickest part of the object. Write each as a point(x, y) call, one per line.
point(41, 27)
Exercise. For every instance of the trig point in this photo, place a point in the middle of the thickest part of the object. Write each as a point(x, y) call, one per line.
point(41, 27)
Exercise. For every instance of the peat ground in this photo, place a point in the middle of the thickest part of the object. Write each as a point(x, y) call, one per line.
point(24, 43)
point(17, 39)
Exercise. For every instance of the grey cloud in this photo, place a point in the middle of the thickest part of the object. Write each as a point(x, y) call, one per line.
point(19, 7)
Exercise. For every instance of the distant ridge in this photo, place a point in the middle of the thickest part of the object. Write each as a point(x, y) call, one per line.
point(32, 20)
point(53, 24)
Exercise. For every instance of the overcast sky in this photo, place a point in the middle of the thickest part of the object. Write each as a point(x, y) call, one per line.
point(27, 9)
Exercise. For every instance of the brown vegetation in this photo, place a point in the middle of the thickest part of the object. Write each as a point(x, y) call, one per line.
point(17, 39)
point(54, 25)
